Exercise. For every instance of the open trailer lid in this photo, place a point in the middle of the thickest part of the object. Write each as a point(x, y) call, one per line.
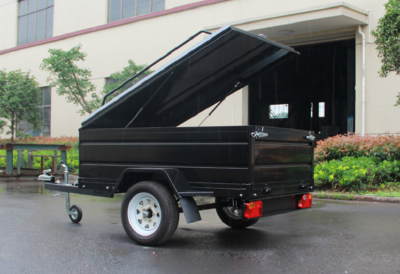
point(205, 74)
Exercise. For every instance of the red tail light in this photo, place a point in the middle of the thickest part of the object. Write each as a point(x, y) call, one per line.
point(253, 209)
point(305, 201)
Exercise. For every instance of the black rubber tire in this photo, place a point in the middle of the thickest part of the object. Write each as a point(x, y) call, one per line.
point(79, 211)
point(168, 208)
point(233, 223)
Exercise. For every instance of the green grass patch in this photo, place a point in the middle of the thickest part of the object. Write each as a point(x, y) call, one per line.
point(337, 196)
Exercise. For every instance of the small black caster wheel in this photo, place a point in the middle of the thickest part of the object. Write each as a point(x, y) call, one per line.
point(76, 215)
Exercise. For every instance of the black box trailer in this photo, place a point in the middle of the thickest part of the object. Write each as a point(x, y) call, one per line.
point(133, 145)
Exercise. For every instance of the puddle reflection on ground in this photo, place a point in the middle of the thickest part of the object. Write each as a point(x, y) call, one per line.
point(9, 188)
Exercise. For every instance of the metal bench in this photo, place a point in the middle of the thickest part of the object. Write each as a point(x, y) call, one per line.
point(21, 148)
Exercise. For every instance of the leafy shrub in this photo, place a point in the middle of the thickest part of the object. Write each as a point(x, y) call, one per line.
point(64, 140)
point(72, 153)
point(383, 147)
point(353, 173)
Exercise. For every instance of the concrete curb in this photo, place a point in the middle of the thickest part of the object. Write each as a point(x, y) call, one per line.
point(348, 197)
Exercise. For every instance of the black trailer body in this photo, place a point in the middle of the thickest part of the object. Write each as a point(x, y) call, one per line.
point(212, 161)
point(132, 144)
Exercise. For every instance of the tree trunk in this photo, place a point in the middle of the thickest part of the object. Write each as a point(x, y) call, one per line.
point(12, 128)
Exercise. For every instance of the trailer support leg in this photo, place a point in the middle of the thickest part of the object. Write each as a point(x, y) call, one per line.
point(67, 202)
point(74, 212)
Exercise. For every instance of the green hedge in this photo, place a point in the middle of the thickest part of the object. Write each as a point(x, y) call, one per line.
point(383, 147)
point(351, 173)
point(358, 163)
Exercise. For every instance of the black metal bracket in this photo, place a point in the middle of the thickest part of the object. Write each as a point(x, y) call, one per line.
point(76, 189)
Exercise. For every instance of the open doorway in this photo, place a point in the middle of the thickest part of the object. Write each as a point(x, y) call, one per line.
point(313, 91)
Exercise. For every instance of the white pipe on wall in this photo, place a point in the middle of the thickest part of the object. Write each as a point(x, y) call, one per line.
point(363, 82)
point(369, 25)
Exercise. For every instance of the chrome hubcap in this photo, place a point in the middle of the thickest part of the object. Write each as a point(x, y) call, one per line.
point(74, 213)
point(144, 214)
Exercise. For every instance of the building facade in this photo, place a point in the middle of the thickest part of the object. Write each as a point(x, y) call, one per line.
point(322, 89)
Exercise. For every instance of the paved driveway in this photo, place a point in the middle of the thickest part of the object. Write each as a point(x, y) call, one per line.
point(36, 236)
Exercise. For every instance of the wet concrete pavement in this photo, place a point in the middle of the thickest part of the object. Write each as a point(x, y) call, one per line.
point(36, 236)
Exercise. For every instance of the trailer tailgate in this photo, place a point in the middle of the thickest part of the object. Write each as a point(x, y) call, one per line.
point(283, 162)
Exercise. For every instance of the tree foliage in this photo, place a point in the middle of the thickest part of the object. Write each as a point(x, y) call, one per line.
point(19, 96)
point(121, 76)
point(2, 124)
point(71, 81)
point(387, 37)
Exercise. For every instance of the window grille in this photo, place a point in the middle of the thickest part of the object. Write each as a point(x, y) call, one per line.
point(121, 9)
point(35, 19)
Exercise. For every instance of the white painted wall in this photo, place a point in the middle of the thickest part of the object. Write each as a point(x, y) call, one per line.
point(73, 15)
point(8, 25)
point(146, 40)
point(229, 113)
point(169, 4)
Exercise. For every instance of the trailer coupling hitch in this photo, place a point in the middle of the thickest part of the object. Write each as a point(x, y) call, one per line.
point(309, 137)
point(46, 177)
point(259, 134)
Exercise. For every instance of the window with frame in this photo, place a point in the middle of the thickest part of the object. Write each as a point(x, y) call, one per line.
point(111, 81)
point(321, 110)
point(44, 105)
point(279, 111)
point(35, 20)
point(121, 9)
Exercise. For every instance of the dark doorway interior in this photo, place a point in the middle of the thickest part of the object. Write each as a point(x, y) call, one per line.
point(313, 91)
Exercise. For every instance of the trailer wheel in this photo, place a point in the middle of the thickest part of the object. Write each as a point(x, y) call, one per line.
point(76, 215)
point(149, 213)
point(232, 216)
